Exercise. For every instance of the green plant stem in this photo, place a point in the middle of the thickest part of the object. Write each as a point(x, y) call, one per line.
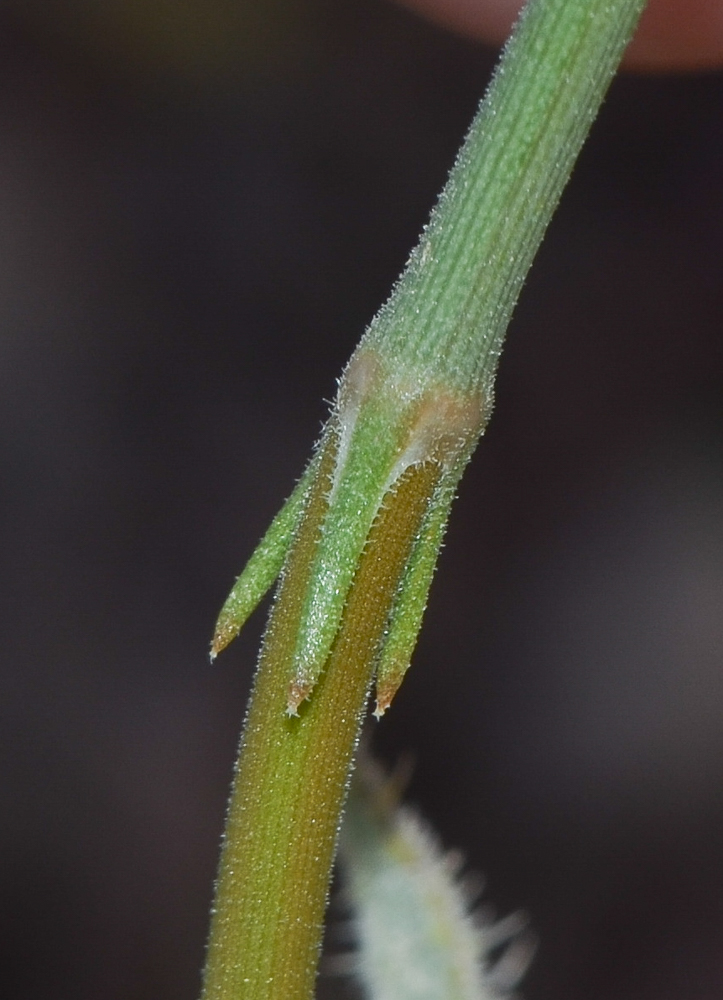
point(414, 399)
point(293, 771)
point(449, 312)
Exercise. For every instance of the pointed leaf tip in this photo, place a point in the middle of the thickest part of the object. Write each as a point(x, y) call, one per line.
point(263, 567)
point(298, 692)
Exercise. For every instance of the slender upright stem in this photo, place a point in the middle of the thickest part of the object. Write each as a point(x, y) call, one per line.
point(293, 770)
point(364, 535)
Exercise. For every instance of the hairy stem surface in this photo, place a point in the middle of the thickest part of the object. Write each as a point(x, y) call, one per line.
point(371, 513)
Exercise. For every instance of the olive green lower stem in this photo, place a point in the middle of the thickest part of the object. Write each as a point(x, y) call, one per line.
point(293, 771)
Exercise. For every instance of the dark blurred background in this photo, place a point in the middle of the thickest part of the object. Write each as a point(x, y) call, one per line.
point(202, 203)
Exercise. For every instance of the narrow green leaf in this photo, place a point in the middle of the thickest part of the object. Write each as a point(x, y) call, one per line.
point(383, 429)
point(263, 567)
point(411, 601)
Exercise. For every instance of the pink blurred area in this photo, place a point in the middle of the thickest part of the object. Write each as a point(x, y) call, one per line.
point(673, 35)
point(202, 207)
